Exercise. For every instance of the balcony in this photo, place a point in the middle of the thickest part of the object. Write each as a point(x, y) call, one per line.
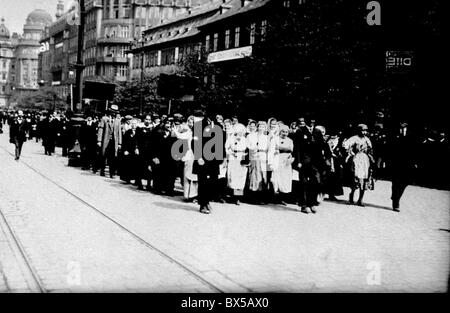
point(111, 59)
point(105, 40)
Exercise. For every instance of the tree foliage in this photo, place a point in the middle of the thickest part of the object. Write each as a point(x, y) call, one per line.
point(43, 99)
point(128, 94)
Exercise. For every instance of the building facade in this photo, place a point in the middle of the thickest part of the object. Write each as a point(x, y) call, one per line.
point(7, 74)
point(165, 46)
point(58, 55)
point(27, 48)
point(110, 27)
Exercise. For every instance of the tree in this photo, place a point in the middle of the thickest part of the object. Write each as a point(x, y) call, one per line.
point(127, 95)
point(310, 61)
point(217, 91)
point(43, 99)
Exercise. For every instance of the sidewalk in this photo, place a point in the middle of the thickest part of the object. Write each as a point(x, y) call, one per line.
point(244, 248)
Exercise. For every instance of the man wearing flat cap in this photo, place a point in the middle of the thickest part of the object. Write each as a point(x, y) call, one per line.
point(109, 139)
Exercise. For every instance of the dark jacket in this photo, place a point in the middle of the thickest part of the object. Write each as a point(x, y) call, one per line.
point(18, 131)
point(402, 153)
point(205, 131)
point(144, 142)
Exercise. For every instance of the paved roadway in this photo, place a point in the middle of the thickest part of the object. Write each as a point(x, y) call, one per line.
point(67, 230)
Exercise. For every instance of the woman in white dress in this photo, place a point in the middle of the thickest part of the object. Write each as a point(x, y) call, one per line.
point(281, 157)
point(272, 133)
point(236, 149)
point(258, 146)
point(190, 181)
point(359, 149)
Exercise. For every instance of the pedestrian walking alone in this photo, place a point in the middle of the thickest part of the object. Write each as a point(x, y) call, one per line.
point(402, 162)
point(359, 150)
point(18, 134)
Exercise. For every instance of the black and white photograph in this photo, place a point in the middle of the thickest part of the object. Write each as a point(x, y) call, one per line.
point(223, 147)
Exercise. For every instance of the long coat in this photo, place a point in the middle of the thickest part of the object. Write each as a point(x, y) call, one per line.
point(18, 131)
point(105, 128)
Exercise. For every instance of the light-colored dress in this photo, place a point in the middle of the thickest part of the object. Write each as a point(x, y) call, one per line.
point(281, 150)
point(258, 145)
point(236, 171)
point(190, 180)
point(359, 150)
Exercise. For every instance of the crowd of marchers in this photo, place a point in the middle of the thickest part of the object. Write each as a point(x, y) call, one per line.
point(262, 161)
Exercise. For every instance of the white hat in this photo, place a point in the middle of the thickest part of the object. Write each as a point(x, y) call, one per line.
point(239, 128)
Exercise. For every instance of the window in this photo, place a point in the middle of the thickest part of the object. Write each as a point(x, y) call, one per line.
point(207, 43)
point(263, 30)
point(122, 71)
point(227, 39)
point(252, 33)
point(237, 32)
point(125, 32)
point(286, 3)
point(216, 41)
point(168, 57)
point(3, 76)
point(116, 9)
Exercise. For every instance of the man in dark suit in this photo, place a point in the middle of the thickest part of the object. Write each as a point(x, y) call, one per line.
point(49, 130)
point(402, 162)
point(130, 162)
point(163, 162)
point(18, 133)
point(208, 145)
point(144, 141)
point(109, 139)
point(88, 143)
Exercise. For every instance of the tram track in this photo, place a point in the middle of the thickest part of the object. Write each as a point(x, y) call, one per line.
point(32, 278)
point(40, 287)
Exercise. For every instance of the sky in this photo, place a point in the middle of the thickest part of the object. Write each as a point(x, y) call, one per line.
point(15, 12)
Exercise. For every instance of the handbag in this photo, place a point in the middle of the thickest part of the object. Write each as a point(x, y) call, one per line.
point(246, 160)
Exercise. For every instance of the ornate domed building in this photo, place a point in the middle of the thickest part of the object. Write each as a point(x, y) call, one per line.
point(35, 24)
point(25, 64)
point(6, 57)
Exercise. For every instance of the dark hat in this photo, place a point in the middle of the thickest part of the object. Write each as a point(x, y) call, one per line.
point(199, 113)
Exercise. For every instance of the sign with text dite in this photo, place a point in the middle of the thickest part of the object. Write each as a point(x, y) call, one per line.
point(231, 54)
point(399, 61)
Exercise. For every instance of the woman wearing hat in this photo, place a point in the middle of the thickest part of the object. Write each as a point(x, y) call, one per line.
point(190, 180)
point(236, 149)
point(280, 156)
point(359, 149)
point(258, 146)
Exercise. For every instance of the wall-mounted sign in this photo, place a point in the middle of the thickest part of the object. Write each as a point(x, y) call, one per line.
point(399, 61)
point(232, 54)
point(44, 47)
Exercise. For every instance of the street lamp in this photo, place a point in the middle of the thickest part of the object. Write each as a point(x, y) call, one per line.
point(71, 75)
point(139, 43)
point(79, 66)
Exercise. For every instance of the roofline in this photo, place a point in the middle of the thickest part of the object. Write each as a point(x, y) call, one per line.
point(159, 44)
point(187, 17)
point(208, 23)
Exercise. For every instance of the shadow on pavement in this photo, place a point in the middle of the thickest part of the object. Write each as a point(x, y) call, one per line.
point(370, 205)
point(176, 206)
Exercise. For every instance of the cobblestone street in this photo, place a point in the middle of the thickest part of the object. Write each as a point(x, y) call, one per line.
point(80, 232)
